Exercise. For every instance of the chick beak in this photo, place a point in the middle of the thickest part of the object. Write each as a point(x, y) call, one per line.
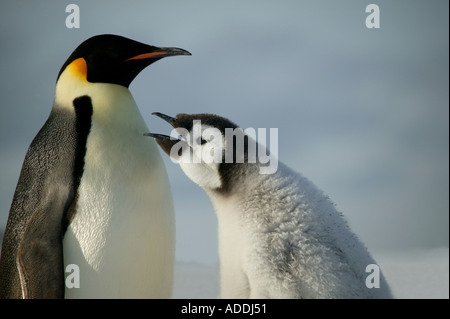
point(164, 141)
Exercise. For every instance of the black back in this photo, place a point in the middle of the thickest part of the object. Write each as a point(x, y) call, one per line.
point(31, 263)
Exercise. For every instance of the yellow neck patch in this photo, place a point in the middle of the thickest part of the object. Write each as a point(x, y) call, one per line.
point(78, 68)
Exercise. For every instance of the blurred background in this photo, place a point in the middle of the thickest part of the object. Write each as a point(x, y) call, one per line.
point(363, 113)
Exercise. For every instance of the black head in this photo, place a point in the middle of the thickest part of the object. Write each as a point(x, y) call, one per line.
point(116, 59)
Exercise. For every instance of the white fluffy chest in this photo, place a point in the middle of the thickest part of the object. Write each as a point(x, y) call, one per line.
point(233, 247)
point(231, 236)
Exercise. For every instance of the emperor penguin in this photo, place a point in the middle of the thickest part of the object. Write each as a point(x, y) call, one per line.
point(279, 236)
point(93, 199)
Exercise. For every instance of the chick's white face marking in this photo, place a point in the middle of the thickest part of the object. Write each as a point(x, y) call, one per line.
point(201, 154)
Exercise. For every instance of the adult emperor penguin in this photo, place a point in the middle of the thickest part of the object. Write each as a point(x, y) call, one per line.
point(93, 191)
point(279, 236)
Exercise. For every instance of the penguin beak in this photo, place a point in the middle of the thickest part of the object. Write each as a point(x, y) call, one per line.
point(164, 141)
point(160, 53)
point(165, 117)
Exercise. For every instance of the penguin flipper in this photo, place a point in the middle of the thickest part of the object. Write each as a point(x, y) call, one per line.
point(40, 255)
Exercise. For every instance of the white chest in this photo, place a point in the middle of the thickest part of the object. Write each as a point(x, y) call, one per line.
point(233, 247)
point(122, 236)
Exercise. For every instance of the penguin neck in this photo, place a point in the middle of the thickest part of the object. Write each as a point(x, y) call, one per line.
point(235, 179)
point(245, 181)
point(112, 103)
point(237, 182)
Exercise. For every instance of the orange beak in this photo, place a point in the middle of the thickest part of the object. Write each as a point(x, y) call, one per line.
point(160, 54)
point(147, 56)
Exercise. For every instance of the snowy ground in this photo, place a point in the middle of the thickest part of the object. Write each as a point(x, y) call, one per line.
point(417, 274)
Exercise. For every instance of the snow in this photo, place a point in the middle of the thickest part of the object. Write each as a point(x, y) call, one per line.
point(420, 274)
point(196, 281)
point(413, 274)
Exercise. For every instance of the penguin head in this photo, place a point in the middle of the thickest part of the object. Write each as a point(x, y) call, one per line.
point(114, 59)
point(210, 149)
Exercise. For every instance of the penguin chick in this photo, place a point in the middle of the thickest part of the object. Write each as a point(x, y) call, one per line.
point(279, 236)
point(93, 192)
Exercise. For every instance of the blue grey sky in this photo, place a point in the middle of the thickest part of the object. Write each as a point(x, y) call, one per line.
point(363, 113)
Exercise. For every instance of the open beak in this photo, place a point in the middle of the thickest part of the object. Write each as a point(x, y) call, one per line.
point(167, 118)
point(166, 142)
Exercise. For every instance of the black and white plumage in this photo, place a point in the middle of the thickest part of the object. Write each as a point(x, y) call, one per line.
point(279, 235)
point(93, 191)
